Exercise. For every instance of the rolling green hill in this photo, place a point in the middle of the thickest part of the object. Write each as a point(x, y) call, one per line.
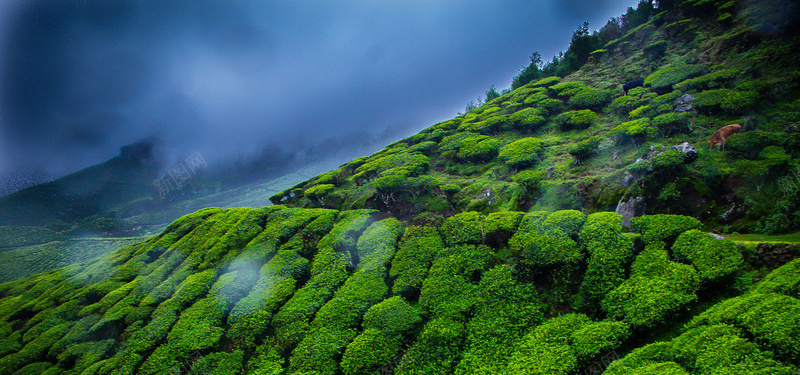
point(486, 244)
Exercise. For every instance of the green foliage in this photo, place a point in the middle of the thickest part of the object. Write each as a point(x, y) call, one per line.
point(609, 255)
point(576, 120)
point(448, 290)
point(636, 131)
point(569, 222)
point(591, 98)
point(528, 119)
point(784, 280)
point(384, 325)
point(597, 339)
point(663, 79)
point(505, 310)
point(663, 227)
point(656, 289)
point(545, 251)
point(415, 163)
point(529, 180)
point(749, 145)
point(463, 228)
point(499, 226)
point(522, 152)
point(726, 100)
point(711, 257)
point(566, 89)
point(708, 81)
point(584, 149)
point(668, 165)
point(655, 50)
point(475, 150)
point(547, 349)
point(719, 349)
point(437, 350)
point(418, 247)
point(27, 236)
point(545, 82)
point(671, 123)
point(771, 318)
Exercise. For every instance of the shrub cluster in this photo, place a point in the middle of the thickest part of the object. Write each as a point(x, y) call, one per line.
point(663, 227)
point(522, 152)
point(576, 120)
point(726, 100)
point(656, 289)
point(584, 149)
point(711, 257)
point(663, 79)
point(418, 247)
point(636, 131)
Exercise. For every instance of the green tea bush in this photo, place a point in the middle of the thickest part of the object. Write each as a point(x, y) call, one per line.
point(489, 125)
point(727, 100)
point(568, 221)
point(609, 255)
point(437, 350)
point(415, 163)
point(530, 181)
point(418, 247)
point(566, 89)
point(547, 349)
point(656, 289)
point(709, 349)
point(478, 150)
point(668, 165)
point(219, 363)
point(749, 145)
point(709, 81)
point(505, 310)
point(384, 325)
point(522, 152)
point(528, 119)
point(711, 257)
point(584, 149)
point(532, 222)
point(368, 351)
point(545, 251)
point(663, 79)
point(335, 323)
point(596, 339)
point(671, 123)
point(378, 243)
point(549, 105)
point(545, 82)
point(576, 120)
point(636, 131)
point(655, 50)
point(591, 98)
point(772, 319)
point(449, 289)
point(784, 280)
point(463, 228)
point(663, 227)
point(640, 112)
point(453, 142)
point(499, 226)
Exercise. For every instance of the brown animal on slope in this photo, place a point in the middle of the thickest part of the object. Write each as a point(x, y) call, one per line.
point(722, 134)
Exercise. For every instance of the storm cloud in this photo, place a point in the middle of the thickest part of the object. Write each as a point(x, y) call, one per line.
point(80, 79)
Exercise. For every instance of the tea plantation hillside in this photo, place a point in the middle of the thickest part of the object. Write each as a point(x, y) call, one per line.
point(573, 142)
point(486, 244)
point(318, 291)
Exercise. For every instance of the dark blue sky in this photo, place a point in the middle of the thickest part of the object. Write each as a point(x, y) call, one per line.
point(81, 78)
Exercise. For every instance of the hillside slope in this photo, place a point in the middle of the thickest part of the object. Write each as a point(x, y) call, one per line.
point(573, 143)
point(484, 244)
